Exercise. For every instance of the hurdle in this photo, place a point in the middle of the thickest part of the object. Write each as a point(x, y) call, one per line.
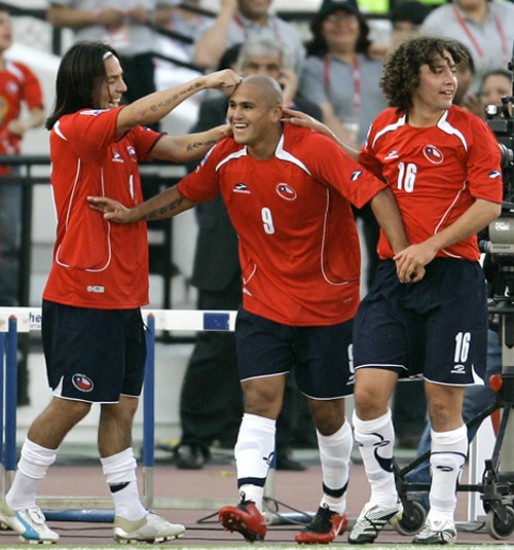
point(97, 509)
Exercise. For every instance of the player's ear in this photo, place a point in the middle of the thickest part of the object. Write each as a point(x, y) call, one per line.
point(276, 113)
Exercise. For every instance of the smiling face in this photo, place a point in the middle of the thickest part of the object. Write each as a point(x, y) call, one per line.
point(254, 112)
point(113, 86)
point(437, 86)
point(341, 31)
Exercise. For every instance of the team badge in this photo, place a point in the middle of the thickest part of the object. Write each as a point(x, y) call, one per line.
point(82, 382)
point(432, 154)
point(286, 192)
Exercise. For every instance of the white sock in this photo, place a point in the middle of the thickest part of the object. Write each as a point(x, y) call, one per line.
point(375, 439)
point(120, 473)
point(447, 458)
point(335, 451)
point(254, 452)
point(32, 468)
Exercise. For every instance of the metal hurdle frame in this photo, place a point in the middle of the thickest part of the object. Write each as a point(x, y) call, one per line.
point(96, 509)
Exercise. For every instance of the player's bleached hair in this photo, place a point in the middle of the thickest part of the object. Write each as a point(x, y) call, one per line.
point(80, 74)
point(401, 76)
point(263, 45)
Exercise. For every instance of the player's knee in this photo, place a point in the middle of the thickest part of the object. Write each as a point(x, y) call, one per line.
point(368, 402)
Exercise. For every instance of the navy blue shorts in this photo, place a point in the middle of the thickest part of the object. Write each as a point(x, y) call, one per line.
point(321, 356)
point(93, 355)
point(437, 327)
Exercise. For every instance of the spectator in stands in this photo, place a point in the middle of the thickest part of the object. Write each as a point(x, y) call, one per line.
point(126, 26)
point(237, 21)
point(211, 403)
point(22, 108)
point(495, 85)
point(92, 329)
point(343, 80)
point(406, 19)
point(485, 28)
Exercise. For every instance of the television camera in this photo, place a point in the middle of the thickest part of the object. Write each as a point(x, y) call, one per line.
point(500, 240)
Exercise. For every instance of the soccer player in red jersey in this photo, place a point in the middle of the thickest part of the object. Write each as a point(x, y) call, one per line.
point(288, 192)
point(21, 109)
point(92, 329)
point(443, 165)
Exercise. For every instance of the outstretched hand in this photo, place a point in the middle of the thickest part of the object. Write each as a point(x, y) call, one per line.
point(112, 210)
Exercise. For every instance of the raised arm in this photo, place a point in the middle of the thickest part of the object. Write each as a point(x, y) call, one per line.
point(212, 43)
point(154, 107)
point(164, 205)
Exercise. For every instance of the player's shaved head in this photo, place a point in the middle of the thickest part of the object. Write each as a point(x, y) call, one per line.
point(268, 88)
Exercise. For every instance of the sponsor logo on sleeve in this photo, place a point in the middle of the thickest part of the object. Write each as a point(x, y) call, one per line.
point(356, 175)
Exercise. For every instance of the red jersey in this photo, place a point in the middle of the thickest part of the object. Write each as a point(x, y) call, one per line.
point(97, 264)
point(18, 85)
point(298, 243)
point(435, 173)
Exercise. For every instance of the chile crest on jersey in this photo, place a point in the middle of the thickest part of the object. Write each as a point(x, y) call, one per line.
point(433, 154)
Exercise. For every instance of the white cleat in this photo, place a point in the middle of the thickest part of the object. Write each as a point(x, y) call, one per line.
point(30, 524)
point(151, 528)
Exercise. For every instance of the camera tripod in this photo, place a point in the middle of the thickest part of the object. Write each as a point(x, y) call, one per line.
point(497, 486)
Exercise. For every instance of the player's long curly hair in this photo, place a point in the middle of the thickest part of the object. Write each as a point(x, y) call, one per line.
point(400, 76)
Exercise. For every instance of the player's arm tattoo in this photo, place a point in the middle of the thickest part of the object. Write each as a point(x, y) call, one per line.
point(175, 97)
point(170, 207)
point(197, 144)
